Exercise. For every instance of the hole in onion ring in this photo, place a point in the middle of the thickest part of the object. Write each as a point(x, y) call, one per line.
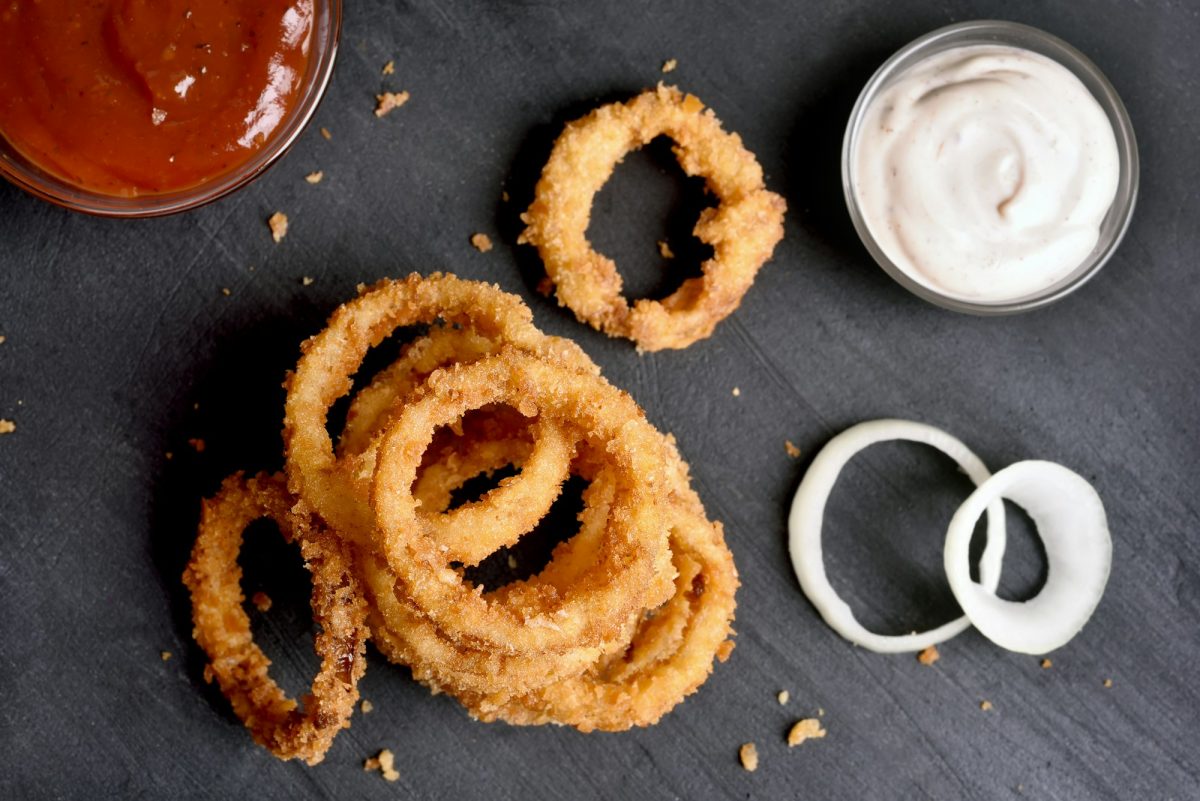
point(285, 633)
point(650, 199)
point(882, 536)
point(532, 552)
point(1025, 564)
point(376, 359)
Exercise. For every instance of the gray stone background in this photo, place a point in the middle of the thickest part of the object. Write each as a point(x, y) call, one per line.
point(121, 346)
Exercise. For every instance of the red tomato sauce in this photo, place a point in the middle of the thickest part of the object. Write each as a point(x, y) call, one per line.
point(136, 97)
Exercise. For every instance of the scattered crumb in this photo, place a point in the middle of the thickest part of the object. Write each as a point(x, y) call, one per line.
point(512, 562)
point(165, 655)
point(985, 705)
point(1108, 683)
point(226, 291)
point(669, 65)
point(387, 101)
point(545, 286)
point(261, 601)
point(315, 177)
point(929, 655)
point(170, 455)
point(7, 426)
point(481, 242)
point(385, 763)
point(1047, 664)
point(366, 706)
point(208, 674)
point(2, 339)
point(307, 281)
point(664, 250)
point(748, 755)
point(791, 449)
point(389, 68)
point(197, 444)
point(783, 697)
point(504, 197)
point(196, 406)
point(724, 650)
point(278, 223)
point(807, 729)
point(736, 392)
point(325, 133)
point(820, 712)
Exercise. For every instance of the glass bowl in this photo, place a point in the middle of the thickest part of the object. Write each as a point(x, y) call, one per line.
point(327, 27)
point(1116, 221)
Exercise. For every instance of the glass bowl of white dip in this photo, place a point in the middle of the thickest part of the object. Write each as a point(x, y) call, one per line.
point(979, 174)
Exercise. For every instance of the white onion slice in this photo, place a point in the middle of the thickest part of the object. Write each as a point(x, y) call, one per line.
point(808, 510)
point(1071, 523)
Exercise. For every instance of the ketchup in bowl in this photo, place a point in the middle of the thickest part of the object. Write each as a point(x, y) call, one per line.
point(127, 98)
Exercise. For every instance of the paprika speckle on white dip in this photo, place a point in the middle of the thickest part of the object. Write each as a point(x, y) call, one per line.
point(984, 172)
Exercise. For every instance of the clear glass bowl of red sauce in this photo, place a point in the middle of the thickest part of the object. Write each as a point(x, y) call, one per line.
point(140, 108)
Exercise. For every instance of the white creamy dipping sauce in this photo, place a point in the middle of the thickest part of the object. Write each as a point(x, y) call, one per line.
point(985, 171)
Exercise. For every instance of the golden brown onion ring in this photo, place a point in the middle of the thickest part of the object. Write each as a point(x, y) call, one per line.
point(742, 230)
point(632, 563)
point(222, 627)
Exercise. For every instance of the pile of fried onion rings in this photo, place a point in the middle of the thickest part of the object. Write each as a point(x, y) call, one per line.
point(621, 625)
point(743, 229)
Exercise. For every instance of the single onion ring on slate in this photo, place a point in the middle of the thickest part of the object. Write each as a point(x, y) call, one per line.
point(743, 229)
point(1071, 523)
point(222, 627)
point(808, 510)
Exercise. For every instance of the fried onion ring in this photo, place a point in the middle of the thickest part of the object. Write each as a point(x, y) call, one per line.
point(628, 572)
point(222, 627)
point(743, 229)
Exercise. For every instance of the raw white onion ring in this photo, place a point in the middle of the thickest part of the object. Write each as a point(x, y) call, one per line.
point(1072, 525)
point(808, 510)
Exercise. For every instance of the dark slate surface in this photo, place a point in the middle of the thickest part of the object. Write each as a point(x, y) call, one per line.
point(121, 346)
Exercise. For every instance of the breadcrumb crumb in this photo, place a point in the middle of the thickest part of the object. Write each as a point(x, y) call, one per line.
point(170, 455)
point(208, 674)
point(504, 197)
point(748, 756)
point(929, 655)
point(7, 426)
point(278, 223)
point(481, 242)
point(791, 449)
point(3, 339)
point(307, 280)
point(387, 101)
point(1047, 664)
point(315, 177)
point(985, 705)
point(366, 706)
point(226, 291)
point(261, 601)
point(197, 444)
point(385, 763)
point(807, 729)
point(664, 250)
point(724, 650)
point(389, 68)
point(165, 655)
point(325, 133)
point(1108, 683)
point(545, 286)
point(736, 392)
point(669, 65)
point(783, 697)
point(512, 562)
